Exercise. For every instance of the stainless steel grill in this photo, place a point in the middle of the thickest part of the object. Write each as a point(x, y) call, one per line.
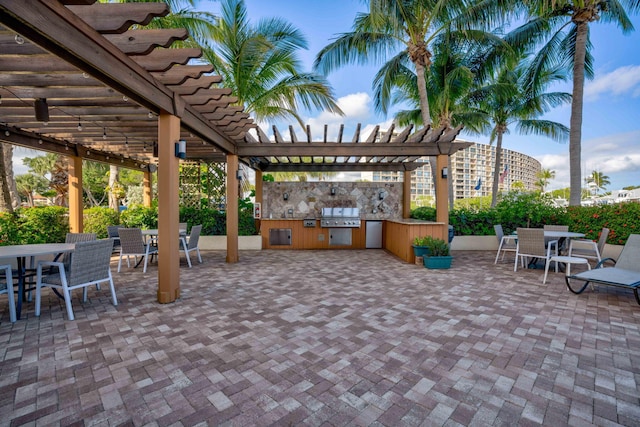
point(340, 218)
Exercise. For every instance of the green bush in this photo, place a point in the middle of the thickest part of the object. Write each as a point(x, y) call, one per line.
point(622, 219)
point(138, 216)
point(48, 224)
point(97, 219)
point(9, 234)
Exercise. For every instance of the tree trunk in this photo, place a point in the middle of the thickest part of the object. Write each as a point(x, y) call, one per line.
point(497, 170)
point(114, 176)
point(575, 133)
point(9, 196)
point(425, 113)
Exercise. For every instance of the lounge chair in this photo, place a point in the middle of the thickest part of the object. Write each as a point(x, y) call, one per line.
point(624, 274)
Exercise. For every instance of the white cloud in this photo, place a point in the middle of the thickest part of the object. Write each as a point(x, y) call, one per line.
point(621, 81)
point(617, 156)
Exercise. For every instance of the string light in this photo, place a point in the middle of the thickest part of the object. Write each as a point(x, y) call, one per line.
point(150, 115)
point(19, 39)
point(104, 133)
point(79, 124)
point(0, 99)
point(124, 98)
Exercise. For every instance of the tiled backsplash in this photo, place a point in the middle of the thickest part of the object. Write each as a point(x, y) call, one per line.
point(306, 199)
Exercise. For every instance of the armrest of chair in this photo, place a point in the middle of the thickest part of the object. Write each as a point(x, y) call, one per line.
point(551, 243)
point(583, 244)
point(52, 265)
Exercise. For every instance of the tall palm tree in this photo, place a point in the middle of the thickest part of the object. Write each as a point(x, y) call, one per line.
point(402, 29)
point(563, 28)
point(260, 64)
point(506, 100)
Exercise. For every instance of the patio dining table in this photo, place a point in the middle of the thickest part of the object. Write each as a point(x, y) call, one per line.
point(21, 252)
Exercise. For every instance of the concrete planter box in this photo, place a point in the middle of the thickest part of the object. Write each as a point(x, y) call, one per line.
point(215, 243)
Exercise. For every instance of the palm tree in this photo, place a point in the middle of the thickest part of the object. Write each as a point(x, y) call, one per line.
point(544, 176)
point(599, 179)
point(563, 27)
point(405, 29)
point(260, 64)
point(506, 100)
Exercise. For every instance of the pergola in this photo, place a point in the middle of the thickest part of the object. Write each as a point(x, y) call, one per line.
point(77, 80)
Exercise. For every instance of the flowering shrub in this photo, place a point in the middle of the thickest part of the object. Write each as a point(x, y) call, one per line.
point(528, 210)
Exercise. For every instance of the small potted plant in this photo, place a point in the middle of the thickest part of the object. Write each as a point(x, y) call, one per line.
point(420, 248)
point(439, 256)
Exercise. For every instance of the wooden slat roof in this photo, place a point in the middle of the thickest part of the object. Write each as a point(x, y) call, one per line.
point(105, 83)
point(385, 151)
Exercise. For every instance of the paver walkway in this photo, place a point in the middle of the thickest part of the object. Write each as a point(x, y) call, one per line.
point(327, 338)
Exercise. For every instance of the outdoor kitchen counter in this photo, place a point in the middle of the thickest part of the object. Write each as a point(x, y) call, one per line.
point(304, 237)
point(399, 234)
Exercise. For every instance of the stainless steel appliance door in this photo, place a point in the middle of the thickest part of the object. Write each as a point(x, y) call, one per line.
point(340, 236)
point(373, 235)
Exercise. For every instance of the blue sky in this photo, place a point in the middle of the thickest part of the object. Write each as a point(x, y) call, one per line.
point(611, 115)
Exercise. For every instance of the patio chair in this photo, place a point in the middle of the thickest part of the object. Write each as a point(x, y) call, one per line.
point(531, 245)
point(586, 248)
point(624, 274)
point(132, 244)
point(505, 243)
point(112, 233)
point(6, 287)
point(190, 243)
point(90, 265)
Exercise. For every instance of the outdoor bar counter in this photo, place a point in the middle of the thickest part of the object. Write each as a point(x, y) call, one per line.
point(399, 234)
point(297, 233)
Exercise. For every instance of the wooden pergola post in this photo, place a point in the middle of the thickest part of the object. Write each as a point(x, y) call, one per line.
point(168, 212)
point(75, 194)
point(147, 180)
point(406, 195)
point(442, 190)
point(232, 208)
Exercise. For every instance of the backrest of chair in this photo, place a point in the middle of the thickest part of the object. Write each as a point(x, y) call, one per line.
point(499, 232)
point(131, 241)
point(75, 238)
point(80, 237)
point(553, 227)
point(112, 230)
point(531, 242)
point(629, 258)
point(194, 236)
point(90, 261)
point(183, 226)
point(602, 240)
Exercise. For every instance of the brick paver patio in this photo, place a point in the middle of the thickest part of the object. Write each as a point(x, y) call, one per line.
point(327, 338)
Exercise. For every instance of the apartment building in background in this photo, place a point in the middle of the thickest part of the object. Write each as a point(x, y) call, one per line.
point(471, 172)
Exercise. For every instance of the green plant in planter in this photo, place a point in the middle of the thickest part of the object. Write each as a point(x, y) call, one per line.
point(439, 255)
point(420, 246)
point(437, 247)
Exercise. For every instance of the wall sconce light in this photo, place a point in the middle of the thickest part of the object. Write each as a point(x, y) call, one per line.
point(333, 191)
point(42, 110)
point(181, 149)
point(285, 196)
point(445, 172)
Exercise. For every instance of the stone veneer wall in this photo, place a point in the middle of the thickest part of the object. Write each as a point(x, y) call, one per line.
point(306, 199)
